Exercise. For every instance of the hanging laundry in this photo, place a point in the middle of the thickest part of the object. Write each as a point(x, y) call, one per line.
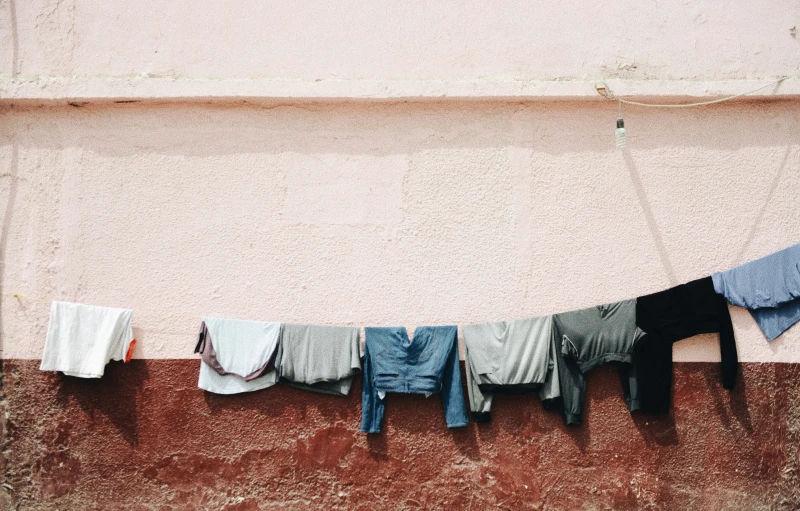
point(237, 355)
point(319, 358)
point(587, 338)
point(768, 287)
point(670, 316)
point(426, 364)
point(82, 339)
point(509, 358)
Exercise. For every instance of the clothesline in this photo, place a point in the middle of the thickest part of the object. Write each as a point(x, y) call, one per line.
point(548, 355)
point(772, 313)
point(605, 91)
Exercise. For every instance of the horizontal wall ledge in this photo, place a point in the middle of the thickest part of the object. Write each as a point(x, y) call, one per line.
point(44, 90)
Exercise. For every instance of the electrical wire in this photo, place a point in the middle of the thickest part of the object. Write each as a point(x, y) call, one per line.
point(605, 91)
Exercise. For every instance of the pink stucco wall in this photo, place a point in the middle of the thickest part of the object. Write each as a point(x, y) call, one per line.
point(390, 163)
point(402, 40)
point(386, 214)
point(85, 50)
point(360, 212)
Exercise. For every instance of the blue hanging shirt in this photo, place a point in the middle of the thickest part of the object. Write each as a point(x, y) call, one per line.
point(768, 287)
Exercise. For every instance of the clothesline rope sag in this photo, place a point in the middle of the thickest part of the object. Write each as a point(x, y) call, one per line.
point(604, 90)
point(638, 334)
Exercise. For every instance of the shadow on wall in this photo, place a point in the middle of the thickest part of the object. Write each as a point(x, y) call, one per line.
point(114, 396)
point(767, 200)
point(652, 225)
point(189, 443)
point(514, 416)
point(656, 429)
point(655, 231)
point(11, 201)
point(730, 406)
point(291, 401)
point(12, 18)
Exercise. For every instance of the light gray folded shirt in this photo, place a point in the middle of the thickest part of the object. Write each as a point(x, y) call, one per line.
point(242, 351)
point(509, 358)
point(319, 358)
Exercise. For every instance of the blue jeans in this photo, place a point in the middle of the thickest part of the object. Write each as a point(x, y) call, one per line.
point(425, 365)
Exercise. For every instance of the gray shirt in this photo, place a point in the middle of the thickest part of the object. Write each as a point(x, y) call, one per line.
point(509, 358)
point(320, 358)
point(237, 355)
point(587, 338)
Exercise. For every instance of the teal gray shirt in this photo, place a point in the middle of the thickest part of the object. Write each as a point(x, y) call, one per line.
point(588, 338)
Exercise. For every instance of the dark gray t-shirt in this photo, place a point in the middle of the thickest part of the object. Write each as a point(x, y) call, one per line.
point(588, 338)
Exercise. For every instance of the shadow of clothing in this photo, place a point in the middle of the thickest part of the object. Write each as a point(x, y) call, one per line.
point(114, 395)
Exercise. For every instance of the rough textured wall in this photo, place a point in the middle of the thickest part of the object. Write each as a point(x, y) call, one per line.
point(384, 214)
point(378, 214)
point(399, 40)
point(144, 438)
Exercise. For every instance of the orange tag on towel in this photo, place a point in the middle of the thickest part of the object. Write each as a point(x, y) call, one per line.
point(130, 351)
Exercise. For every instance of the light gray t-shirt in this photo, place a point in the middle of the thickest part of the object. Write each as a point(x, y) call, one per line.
point(509, 358)
point(320, 358)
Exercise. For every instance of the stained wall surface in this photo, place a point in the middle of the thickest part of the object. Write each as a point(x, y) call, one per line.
point(367, 210)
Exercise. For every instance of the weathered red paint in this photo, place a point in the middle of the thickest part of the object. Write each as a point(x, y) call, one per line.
point(144, 437)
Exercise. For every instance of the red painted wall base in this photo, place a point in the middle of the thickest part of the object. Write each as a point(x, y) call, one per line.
point(144, 437)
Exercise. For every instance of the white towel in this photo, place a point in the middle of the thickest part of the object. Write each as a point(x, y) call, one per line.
point(82, 339)
point(241, 348)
